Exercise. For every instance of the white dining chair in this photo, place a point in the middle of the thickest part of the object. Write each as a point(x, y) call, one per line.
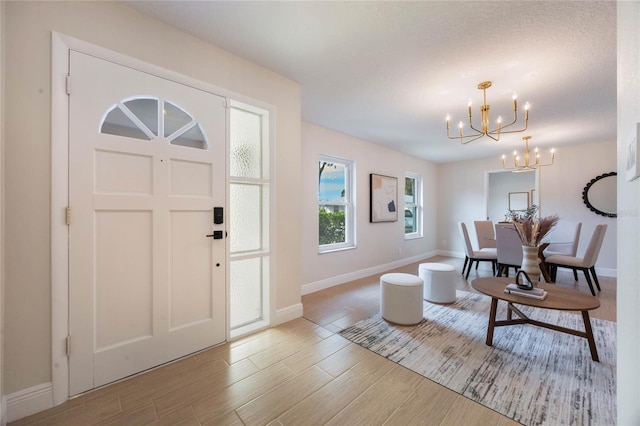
point(508, 247)
point(475, 255)
point(586, 264)
point(563, 238)
point(485, 233)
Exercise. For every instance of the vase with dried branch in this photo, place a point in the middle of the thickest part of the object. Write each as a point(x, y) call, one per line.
point(531, 231)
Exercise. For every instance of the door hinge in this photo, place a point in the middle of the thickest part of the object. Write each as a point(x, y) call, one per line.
point(68, 84)
point(68, 215)
point(68, 346)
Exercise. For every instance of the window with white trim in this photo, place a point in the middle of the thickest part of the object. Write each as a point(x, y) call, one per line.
point(412, 205)
point(336, 212)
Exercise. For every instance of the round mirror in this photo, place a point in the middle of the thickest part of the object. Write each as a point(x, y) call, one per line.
point(600, 194)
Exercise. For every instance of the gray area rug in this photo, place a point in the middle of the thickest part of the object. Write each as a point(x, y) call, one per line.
point(530, 374)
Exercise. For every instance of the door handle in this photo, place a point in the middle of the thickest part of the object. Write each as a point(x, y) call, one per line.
point(217, 235)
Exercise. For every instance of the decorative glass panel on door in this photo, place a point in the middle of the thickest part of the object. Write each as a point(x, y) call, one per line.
point(145, 110)
point(118, 123)
point(246, 291)
point(141, 118)
point(192, 138)
point(246, 144)
point(174, 118)
point(246, 220)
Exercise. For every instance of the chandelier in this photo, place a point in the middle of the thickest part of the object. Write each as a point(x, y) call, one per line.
point(524, 163)
point(484, 120)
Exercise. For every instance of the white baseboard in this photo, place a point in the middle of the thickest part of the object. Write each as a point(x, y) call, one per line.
point(355, 275)
point(29, 401)
point(607, 272)
point(289, 313)
point(456, 254)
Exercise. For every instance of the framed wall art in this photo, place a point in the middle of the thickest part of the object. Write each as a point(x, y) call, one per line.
point(518, 201)
point(384, 198)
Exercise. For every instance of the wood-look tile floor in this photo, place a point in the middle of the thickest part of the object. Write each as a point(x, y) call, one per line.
point(299, 373)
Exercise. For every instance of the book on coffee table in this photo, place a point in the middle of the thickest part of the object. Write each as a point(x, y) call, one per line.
point(534, 293)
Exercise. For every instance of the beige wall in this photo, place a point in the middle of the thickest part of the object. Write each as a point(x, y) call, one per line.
point(28, 157)
point(461, 196)
point(629, 218)
point(378, 244)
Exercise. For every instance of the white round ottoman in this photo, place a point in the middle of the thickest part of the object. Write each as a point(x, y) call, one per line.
point(439, 284)
point(401, 298)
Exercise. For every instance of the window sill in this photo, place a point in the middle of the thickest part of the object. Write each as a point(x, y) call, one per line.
point(333, 250)
point(414, 236)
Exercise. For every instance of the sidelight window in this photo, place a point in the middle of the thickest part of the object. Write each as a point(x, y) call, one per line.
point(249, 245)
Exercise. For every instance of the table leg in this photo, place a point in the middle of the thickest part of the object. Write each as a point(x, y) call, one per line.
point(492, 320)
point(590, 339)
point(543, 264)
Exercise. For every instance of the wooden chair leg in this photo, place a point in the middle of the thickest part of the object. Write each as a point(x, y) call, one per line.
point(575, 275)
point(464, 267)
point(553, 272)
point(469, 269)
point(595, 277)
point(493, 267)
point(586, 275)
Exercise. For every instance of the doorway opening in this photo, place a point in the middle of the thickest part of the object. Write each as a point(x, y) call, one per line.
point(499, 184)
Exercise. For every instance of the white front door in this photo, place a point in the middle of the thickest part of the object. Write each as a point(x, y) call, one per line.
point(146, 169)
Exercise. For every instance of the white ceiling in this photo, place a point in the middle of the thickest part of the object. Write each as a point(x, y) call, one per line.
point(389, 72)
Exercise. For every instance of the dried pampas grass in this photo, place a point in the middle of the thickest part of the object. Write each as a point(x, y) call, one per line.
point(532, 230)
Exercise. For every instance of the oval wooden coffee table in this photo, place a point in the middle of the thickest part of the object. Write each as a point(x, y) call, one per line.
point(558, 298)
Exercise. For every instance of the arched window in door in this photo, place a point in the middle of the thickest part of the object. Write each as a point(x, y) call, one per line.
point(148, 118)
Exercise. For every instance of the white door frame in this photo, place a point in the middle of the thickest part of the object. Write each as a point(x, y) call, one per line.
point(60, 46)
